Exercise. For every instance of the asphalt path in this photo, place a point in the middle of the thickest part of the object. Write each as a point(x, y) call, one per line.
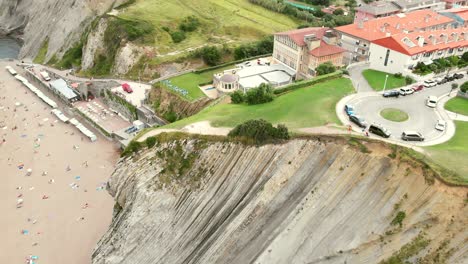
point(421, 117)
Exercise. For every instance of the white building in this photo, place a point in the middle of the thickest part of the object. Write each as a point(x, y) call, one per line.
point(402, 52)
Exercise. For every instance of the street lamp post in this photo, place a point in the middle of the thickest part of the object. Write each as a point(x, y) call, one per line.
point(385, 83)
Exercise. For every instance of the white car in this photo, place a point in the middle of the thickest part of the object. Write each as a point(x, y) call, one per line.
point(429, 83)
point(406, 91)
point(431, 101)
point(440, 125)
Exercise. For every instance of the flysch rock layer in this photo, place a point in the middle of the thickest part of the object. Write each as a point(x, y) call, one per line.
point(305, 201)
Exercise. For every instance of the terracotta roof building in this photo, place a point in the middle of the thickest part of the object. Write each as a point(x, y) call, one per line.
point(356, 38)
point(455, 3)
point(402, 51)
point(387, 8)
point(304, 49)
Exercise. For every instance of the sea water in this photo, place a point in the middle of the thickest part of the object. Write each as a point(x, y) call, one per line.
point(9, 48)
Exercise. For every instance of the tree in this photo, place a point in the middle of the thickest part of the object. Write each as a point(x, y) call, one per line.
point(325, 68)
point(465, 56)
point(338, 12)
point(237, 97)
point(454, 86)
point(178, 36)
point(211, 55)
point(262, 94)
point(150, 142)
point(464, 87)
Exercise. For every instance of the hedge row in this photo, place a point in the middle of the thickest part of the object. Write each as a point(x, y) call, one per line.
point(229, 63)
point(305, 83)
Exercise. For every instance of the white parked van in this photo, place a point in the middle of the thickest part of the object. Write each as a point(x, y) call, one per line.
point(45, 76)
point(431, 101)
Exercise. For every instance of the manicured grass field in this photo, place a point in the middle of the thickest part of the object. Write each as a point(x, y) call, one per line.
point(394, 115)
point(306, 107)
point(453, 154)
point(190, 81)
point(458, 105)
point(376, 80)
point(222, 21)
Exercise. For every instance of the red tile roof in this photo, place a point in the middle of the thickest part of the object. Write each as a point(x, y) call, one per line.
point(408, 43)
point(325, 49)
point(297, 35)
point(382, 27)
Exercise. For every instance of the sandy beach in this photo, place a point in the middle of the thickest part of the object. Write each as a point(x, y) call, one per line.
point(60, 211)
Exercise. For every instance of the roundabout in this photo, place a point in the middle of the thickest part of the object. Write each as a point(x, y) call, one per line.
point(404, 113)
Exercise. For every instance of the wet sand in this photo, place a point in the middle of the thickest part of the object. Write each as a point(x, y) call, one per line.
point(63, 224)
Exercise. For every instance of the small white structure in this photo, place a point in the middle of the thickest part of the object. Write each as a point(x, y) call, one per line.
point(45, 75)
point(226, 83)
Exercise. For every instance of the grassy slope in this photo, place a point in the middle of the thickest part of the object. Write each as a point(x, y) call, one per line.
point(458, 105)
point(376, 80)
point(453, 154)
point(306, 107)
point(236, 20)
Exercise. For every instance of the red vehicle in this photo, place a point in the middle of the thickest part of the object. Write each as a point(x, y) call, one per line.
point(126, 87)
point(418, 87)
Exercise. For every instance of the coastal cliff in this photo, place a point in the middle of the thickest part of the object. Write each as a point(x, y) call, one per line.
point(60, 23)
point(316, 200)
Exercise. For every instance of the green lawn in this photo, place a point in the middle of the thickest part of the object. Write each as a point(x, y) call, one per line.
point(306, 107)
point(453, 154)
point(458, 105)
point(190, 81)
point(394, 115)
point(376, 80)
point(222, 21)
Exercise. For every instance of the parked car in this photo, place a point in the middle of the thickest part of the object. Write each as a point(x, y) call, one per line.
point(379, 130)
point(391, 93)
point(458, 76)
point(126, 87)
point(441, 80)
point(417, 88)
point(361, 122)
point(441, 124)
point(431, 101)
point(406, 91)
point(449, 77)
point(429, 83)
point(349, 109)
point(412, 136)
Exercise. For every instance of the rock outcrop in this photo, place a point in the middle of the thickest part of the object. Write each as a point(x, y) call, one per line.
point(61, 22)
point(166, 103)
point(305, 201)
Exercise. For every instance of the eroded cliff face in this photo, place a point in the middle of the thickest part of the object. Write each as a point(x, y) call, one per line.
point(306, 201)
point(60, 21)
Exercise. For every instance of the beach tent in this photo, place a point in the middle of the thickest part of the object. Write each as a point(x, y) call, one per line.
point(60, 115)
point(20, 78)
point(11, 70)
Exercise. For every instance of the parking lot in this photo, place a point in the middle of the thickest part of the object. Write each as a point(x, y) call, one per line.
point(138, 94)
point(421, 117)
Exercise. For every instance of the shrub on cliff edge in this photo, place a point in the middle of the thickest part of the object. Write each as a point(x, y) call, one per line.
point(259, 131)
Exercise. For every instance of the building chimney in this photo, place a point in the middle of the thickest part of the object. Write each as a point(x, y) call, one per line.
point(397, 26)
point(383, 28)
point(465, 35)
point(426, 18)
point(444, 37)
point(420, 41)
point(455, 36)
point(360, 24)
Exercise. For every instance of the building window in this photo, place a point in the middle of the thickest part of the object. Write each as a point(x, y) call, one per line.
point(450, 51)
point(386, 57)
point(427, 54)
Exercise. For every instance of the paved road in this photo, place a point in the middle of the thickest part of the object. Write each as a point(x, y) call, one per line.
point(359, 82)
point(421, 118)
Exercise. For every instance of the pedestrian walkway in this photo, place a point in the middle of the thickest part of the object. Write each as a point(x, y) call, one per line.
point(359, 82)
point(454, 116)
